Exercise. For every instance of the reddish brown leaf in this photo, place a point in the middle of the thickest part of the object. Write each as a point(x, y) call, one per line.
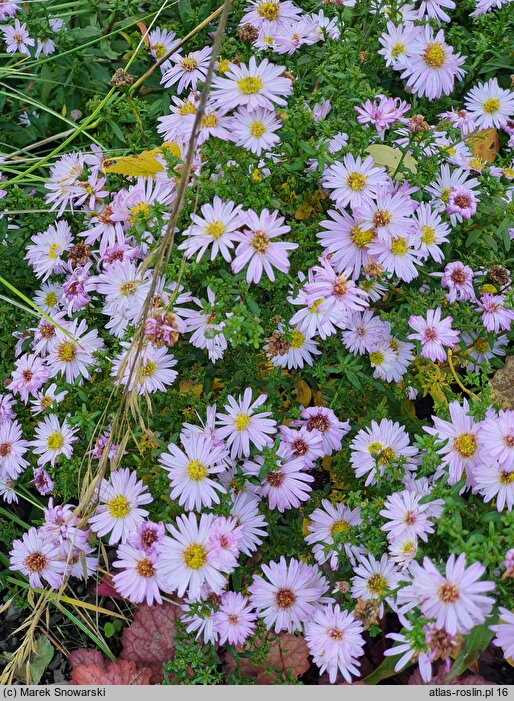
point(117, 673)
point(87, 657)
point(144, 33)
point(289, 652)
point(105, 588)
point(150, 639)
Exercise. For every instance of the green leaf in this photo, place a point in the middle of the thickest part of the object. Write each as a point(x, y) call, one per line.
point(40, 659)
point(474, 644)
point(109, 630)
point(384, 671)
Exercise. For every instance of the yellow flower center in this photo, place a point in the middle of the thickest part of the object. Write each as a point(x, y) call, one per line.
point(399, 247)
point(250, 85)
point(35, 562)
point(127, 288)
point(241, 422)
point(448, 593)
point(189, 64)
point(196, 471)
point(508, 172)
point(481, 345)
point(445, 194)
point(257, 129)
point(434, 55)
point(209, 121)
point(269, 10)
point(377, 584)
point(215, 229)
point(159, 49)
point(476, 163)
point(149, 369)
point(356, 181)
point(506, 477)
point(491, 105)
point(145, 568)
point(50, 299)
point(488, 289)
point(314, 307)
point(223, 65)
point(428, 235)
point(140, 211)
point(339, 527)
point(66, 351)
point(466, 444)
point(54, 252)
point(361, 238)
point(297, 339)
point(398, 49)
point(376, 358)
point(260, 241)
point(195, 556)
point(187, 108)
point(55, 441)
point(118, 506)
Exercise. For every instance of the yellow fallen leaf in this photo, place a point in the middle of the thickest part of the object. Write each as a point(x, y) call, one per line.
point(145, 164)
point(302, 393)
point(305, 526)
point(186, 387)
point(485, 144)
point(326, 463)
point(390, 158)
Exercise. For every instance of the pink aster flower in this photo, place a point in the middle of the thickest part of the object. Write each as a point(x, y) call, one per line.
point(489, 105)
point(483, 6)
point(289, 38)
point(339, 295)
point(325, 422)
point(375, 579)
point(45, 254)
point(458, 278)
point(363, 333)
point(240, 425)
point(354, 181)
point(53, 439)
point(335, 641)
point(457, 600)
point(245, 509)
point(148, 371)
point(432, 232)
point(288, 594)
point(433, 68)
point(216, 227)
point(17, 38)
point(434, 9)
point(224, 543)
point(461, 201)
point(276, 12)
point(256, 248)
point(397, 255)
point(74, 358)
point(37, 559)
point(6, 408)
point(399, 44)
point(495, 481)
point(464, 448)
point(12, 450)
point(187, 71)
point(119, 512)
point(185, 557)
point(286, 486)
point(346, 242)
point(498, 436)
point(235, 619)
point(206, 326)
point(253, 85)
point(301, 443)
point(161, 42)
point(441, 188)
point(504, 630)
point(388, 215)
point(42, 481)
point(380, 445)
point(141, 576)
point(494, 315)
point(290, 348)
point(255, 130)
point(382, 113)
point(434, 334)
point(407, 518)
point(8, 8)
point(329, 529)
point(147, 536)
point(190, 471)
